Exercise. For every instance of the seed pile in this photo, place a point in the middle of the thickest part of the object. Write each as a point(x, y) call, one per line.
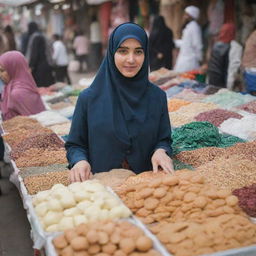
point(247, 199)
point(229, 172)
point(175, 104)
point(103, 239)
point(60, 105)
point(41, 141)
point(41, 157)
point(19, 122)
point(190, 95)
point(30, 171)
point(249, 107)
point(217, 116)
point(215, 234)
point(45, 181)
point(186, 114)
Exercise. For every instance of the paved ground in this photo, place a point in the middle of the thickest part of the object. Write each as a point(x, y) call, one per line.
point(14, 226)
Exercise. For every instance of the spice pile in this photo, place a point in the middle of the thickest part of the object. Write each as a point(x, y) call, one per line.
point(190, 95)
point(175, 104)
point(247, 199)
point(61, 129)
point(249, 107)
point(217, 116)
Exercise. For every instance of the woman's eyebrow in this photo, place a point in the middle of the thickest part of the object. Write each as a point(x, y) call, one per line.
point(126, 47)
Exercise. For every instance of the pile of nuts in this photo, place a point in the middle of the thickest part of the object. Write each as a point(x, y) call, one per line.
point(45, 181)
point(105, 239)
point(214, 234)
point(183, 196)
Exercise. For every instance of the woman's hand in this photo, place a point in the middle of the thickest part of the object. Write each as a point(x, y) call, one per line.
point(161, 159)
point(81, 171)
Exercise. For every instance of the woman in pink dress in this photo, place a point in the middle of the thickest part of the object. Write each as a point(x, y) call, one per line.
point(20, 95)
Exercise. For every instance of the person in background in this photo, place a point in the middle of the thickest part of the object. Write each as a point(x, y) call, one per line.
point(39, 56)
point(3, 43)
point(121, 120)
point(225, 58)
point(161, 45)
point(60, 58)
point(95, 44)
point(81, 47)
point(9, 34)
point(190, 53)
point(249, 63)
point(20, 95)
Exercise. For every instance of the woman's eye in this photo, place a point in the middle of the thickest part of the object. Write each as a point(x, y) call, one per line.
point(122, 51)
point(139, 52)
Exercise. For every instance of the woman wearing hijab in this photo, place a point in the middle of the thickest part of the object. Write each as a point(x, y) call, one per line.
point(219, 60)
point(161, 45)
point(121, 120)
point(20, 95)
point(39, 56)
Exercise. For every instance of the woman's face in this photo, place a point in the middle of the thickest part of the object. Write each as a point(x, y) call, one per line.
point(4, 75)
point(129, 57)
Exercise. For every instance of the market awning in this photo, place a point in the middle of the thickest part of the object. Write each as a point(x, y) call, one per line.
point(16, 2)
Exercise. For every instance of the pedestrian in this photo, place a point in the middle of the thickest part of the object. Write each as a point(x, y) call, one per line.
point(95, 44)
point(20, 95)
point(10, 38)
point(60, 58)
point(39, 56)
point(161, 45)
point(249, 63)
point(225, 58)
point(81, 47)
point(121, 120)
point(190, 53)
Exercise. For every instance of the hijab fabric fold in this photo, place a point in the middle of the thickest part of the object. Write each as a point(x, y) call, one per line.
point(22, 82)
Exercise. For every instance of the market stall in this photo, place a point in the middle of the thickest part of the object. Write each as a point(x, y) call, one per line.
point(207, 207)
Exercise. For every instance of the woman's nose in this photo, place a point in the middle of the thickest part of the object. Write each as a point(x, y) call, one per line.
point(131, 58)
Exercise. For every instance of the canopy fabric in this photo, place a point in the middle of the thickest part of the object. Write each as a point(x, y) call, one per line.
point(16, 2)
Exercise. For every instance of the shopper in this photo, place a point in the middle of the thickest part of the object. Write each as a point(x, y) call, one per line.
point(81, 47)
point(249, 63)
point(121, 120)
point(60, 58)
point(95, 44)
point(222, 65)
point(39, 56)
point(20, 95)
point(161, 45)
point(190, 53)
point(10, 38)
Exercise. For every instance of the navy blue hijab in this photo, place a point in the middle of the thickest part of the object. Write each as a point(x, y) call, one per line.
point(125, 99)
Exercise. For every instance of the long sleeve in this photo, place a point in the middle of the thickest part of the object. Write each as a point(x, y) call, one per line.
point(164, 134)
point(77, 143)
point(235, 56)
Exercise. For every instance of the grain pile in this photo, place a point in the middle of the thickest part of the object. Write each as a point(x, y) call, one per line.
point(217, 116)
point(41, 141)
point(60, 105)
point(41, 157)
point(190, 95)
point(19, 122)
point(186, 114)
point(18, 135)
point(229, 171)
point(103, 239)
point(183, 196)
point(175, 104)
point(30, 171)
point(249, 107)
point(45, 181)
point(221, 233)
point(113, 178)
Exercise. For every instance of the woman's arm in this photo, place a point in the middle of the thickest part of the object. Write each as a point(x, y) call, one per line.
point(77, 143)
point(161, 157)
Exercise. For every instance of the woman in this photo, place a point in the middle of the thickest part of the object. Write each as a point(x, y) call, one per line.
point(161, 45)
point(20, 95)
point(122, 119)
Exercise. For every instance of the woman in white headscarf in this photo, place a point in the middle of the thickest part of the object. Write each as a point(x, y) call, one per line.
point(190, 54)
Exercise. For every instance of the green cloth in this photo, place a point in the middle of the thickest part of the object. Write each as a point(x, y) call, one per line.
point(229, 140)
